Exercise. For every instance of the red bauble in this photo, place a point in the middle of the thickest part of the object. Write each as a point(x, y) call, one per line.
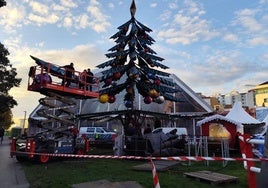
point(157, 82)
point(117, 75)
point(111, 99)
point(108, 81)
point(147, 100)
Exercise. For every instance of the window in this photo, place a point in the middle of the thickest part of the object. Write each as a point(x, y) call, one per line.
point(90, 130)
point(99, 130)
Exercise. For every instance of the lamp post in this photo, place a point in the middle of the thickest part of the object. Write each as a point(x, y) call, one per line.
point(24, 120)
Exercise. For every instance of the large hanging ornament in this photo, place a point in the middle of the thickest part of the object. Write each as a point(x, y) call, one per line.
point(157, 82)
point(133, 73)
point(116, 75)
point(108, 81)
point(128, 103)
point(147, 100)
point(111, 99)
point(104, 98)
point(159, 99)
point(153, 93)
point(151, 76)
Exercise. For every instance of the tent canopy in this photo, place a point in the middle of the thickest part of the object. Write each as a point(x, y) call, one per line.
point(237, 113)
point(217, 117)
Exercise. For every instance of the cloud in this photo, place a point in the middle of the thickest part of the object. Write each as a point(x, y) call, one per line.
point(98, 20)
point(11, 17)
point(188, 27)
point(66, 14)
point(261, 40)
point(67, 22)
point(83, 56)
point(252, 24)
point(153, 5)
point(173, 5)
point(111, 5)
point(40, 20)
point(165, 15)
point(39, 8)
point(230, 37)
point(68, 3)
point(246, 19)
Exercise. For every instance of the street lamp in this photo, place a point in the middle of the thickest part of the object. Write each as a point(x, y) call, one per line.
point(24, 119)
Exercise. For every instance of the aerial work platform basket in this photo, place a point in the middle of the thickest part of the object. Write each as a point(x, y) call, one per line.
point(47, 77)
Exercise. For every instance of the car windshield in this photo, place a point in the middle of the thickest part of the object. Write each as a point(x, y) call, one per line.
point(108, 130)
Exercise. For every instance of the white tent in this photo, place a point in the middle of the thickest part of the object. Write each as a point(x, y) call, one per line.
point(237, 113)
point(251, 125)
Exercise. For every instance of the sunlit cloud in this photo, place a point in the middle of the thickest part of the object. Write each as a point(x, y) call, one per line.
point(211, 50)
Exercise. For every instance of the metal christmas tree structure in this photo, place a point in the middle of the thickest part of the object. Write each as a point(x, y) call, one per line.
point(133, 56)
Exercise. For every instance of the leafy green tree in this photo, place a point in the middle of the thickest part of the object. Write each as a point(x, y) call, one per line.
point(2, 3)
point(6, 119)
point(8, 80)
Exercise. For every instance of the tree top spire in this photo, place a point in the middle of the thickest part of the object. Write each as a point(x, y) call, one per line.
point(133, 8)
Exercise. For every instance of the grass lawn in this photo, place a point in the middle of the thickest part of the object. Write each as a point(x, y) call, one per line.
point(63, 173)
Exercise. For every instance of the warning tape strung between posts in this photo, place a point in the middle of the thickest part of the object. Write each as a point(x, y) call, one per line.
point(172, 158)
point(155, 176)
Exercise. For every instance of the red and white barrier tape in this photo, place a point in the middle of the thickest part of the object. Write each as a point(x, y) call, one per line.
point(155, 176)
point(173, 158)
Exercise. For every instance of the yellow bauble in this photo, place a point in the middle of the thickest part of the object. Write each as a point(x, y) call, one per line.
point(104, 98)
point(153, 93)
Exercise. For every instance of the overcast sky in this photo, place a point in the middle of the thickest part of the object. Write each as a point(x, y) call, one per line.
point(214, 46)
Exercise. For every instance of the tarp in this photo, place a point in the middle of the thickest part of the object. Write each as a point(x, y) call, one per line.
point(265, 120)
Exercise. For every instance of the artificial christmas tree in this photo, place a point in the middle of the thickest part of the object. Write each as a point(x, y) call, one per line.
point(132, 56)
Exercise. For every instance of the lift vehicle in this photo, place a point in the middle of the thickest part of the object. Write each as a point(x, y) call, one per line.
point(59, 133)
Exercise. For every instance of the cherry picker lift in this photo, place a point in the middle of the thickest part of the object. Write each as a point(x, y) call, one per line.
point(58, 126)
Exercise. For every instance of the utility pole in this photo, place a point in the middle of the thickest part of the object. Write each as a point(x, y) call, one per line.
point(24, 120)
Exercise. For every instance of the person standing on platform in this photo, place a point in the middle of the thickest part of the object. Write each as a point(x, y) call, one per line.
point(69, 73)
point(83, 79)
point(89, 79)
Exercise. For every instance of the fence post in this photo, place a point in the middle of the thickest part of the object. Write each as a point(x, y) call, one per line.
point(246, 150)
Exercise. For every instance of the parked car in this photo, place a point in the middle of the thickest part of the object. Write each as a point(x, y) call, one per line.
point(16, 132)
point(98, 135)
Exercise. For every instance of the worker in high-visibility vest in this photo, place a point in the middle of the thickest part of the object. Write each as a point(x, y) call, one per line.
point(96, 136)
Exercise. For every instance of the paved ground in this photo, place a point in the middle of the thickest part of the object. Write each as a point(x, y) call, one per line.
point(11, 174)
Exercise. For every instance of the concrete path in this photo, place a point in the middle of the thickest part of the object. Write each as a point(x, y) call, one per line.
point(11, 173)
